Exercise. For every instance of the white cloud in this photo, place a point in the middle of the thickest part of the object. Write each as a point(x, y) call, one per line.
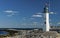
point(24, 18)
point(8, 11)
point(10, 15)
point(35, 22)
point(58, 23)
point(39, 13)
point(36, 15)
point(32, 18)
point(52, 13)
point(11, 12)
point(24, 24)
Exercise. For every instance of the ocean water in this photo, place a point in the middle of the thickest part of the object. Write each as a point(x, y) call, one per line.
point(3, 32)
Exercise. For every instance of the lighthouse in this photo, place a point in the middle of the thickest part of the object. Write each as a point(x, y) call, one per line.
point(46, 17)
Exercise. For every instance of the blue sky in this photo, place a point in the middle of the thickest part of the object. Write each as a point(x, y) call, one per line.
point(27, 13)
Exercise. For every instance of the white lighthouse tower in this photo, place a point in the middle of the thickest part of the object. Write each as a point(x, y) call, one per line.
point(46, 17)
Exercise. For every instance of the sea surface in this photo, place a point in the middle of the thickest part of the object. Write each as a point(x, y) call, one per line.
point(2, 32)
